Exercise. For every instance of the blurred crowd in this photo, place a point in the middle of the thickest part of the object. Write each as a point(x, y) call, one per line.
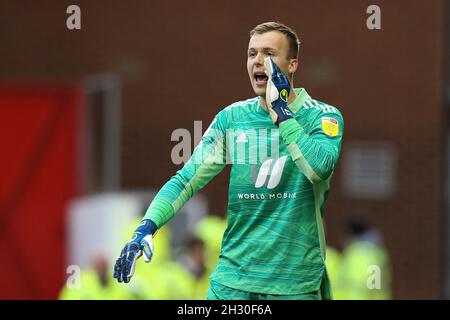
point(360, 271)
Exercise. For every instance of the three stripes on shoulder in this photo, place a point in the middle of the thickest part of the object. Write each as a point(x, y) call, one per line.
point(314, 104)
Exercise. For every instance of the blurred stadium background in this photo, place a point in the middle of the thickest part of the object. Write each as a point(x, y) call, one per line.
point(87, 117)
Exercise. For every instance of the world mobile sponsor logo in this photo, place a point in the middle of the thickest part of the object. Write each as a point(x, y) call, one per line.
point(270, 196)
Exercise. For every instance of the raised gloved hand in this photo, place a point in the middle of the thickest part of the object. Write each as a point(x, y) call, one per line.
point(141, 244)
point(277, 92)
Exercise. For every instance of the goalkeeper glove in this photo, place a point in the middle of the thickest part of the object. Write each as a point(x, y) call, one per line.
point(141, 244)
point(277, 92)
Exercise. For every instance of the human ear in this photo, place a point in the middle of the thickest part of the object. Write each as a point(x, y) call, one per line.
point(293, 65)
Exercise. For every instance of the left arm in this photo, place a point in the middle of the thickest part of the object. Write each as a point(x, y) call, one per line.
point(315, 153)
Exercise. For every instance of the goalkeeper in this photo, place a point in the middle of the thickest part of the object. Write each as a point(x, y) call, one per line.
point(274, 244)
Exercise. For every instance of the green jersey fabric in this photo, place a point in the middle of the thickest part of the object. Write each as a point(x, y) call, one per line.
point(280, 177)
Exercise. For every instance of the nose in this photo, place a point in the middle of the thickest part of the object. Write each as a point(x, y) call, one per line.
point(259, 60)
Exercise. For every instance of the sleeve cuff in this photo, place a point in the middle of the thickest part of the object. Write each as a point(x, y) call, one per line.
point(290, 130)
point(159, 212)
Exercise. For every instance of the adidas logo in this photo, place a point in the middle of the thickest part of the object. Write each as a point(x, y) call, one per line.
point(242, 138)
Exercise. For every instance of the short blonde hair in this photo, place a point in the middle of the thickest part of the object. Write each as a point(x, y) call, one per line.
point(294, 42)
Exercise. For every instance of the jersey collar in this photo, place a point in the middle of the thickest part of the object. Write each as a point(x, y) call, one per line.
point(299, 101)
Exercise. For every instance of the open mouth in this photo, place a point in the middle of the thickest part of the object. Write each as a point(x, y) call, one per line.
point(260, 78)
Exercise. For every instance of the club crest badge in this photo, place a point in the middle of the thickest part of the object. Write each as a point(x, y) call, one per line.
point(330, 126)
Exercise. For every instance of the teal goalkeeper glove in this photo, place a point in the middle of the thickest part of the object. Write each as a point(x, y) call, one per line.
point(141, 244)
point(277, 92)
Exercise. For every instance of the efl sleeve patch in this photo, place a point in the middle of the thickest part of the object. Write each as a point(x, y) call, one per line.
point(330, 126)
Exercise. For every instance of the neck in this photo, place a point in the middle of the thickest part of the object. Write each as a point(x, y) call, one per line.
point(292, 97)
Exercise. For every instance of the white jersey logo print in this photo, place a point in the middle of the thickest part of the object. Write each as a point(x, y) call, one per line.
point(242, 138)
point(274, 176)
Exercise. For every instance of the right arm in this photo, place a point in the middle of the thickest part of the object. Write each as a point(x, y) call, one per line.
point(208, 159)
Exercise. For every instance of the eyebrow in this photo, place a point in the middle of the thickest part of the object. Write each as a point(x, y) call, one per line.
point(265, 49)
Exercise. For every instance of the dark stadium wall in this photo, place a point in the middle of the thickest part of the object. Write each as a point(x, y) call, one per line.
point(184, 61)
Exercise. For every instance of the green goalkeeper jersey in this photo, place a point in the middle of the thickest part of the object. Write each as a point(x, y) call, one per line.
point(280, 177)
